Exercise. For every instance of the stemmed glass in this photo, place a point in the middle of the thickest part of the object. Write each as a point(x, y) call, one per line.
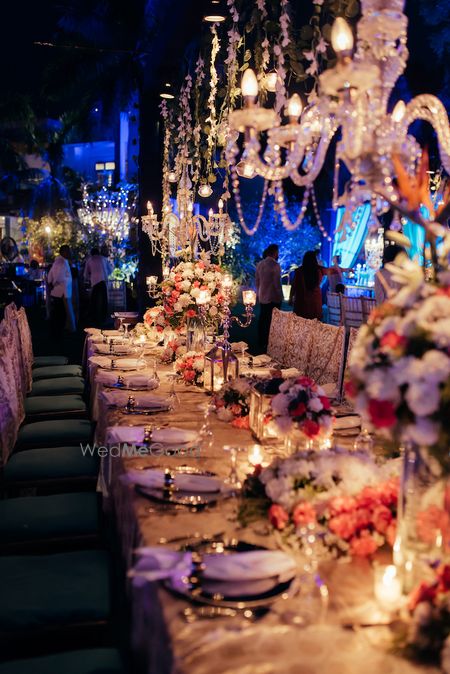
point(155, 374)
point(363, 441)
point(233, 478)
point(205, 432)
point(173, 398)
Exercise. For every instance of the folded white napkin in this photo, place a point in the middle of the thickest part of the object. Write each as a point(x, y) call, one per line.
point(193, 484)
point(257, 372)
point(100, 339)
point(239, 347)
point(142, 399)
point(119, 363)
point(112, 333)
point(238, 568)
point(164, 436)
point(342, 423)
point(117, 348)
point(288, 372)
point(93, 331)
point(263, 359)
point(109, 378)
point(125, 314)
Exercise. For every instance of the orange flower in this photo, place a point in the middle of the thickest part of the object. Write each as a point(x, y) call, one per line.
point(414, 189)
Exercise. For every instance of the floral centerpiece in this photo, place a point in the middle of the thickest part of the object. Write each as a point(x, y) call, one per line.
point(232, 402)
point(399, 379)
point(182, 287)
point(172, 350)
point(190, 367)
point(345, 496)
point(154, 319)
point(301, 406)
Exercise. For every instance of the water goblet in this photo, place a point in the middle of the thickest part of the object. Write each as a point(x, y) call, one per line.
point(233, 477)
point(364, 441)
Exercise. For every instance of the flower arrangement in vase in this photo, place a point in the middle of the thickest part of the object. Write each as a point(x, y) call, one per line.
point(181, 289)
point(301, 410)
point(399, 378)
point(232, 402)
point(190, 368)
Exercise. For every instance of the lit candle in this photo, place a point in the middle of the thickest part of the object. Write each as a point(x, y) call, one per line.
point(220, 205)
point(387, 587)
point(255, 456)
point(294, 108)
point(210, 214)
point(149, 208)
point(203, 297)
point(142, 339)
point(249, 297)
point(341, 38)
point(398, 112)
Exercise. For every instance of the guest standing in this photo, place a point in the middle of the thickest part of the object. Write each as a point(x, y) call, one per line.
point(335, 273)
point(306, 296)
point(384, 285)
point(97, 270)
point(268, 290)
point(59, 281)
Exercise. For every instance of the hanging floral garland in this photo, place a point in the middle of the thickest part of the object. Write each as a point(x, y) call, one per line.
point(197, 130)
point(168, 127)
point(211, 120)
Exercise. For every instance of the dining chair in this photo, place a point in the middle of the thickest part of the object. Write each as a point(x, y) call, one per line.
point(298, 341)
point(352, 311)
point(334, 308)
point(277, 336)
point(326, 357)
point(368, 305)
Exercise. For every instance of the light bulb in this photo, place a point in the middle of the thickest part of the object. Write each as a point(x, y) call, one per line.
point(205, 190)
point(341, 37)
point(249, 85)
point(398, 112)
point(294, 108)
point(270, 81)
point(48, 230)
point(220, 205)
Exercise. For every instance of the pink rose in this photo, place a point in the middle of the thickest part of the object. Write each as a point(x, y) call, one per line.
point(392, 340)
point(278, 517)
point(381, 518)
point(241, 422)
point(343, 525)
point(307, 382)
point(190, 313)
point(363, 545)
point(341, 504)
point(189, 375)
point(351, 389)
point(303, 513)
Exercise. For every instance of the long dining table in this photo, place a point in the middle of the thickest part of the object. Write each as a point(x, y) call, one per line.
point(170, 635)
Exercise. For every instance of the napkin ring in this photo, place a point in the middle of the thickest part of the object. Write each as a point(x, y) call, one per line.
point(113, 363)
point(148, 432)
point(131, 403)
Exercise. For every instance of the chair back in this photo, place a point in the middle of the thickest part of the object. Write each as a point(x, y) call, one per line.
point(368, 304)
point(298, 340)
point(334, 308)
point(117, 296)
point(277, 335)
point(326, 357)
point(352, 311)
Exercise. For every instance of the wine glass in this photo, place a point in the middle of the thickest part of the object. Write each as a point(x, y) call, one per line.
point(154, 366)
point(173, 398)
point(363, 441)
point(233, 477)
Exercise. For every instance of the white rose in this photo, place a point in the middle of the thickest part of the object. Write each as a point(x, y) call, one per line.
point(380, 385)
point(185, 286)
point(280, 404)
point(436, 364)
point(195, 292)
point(422, 432)
point(177, 307)
point(315, 405)
point(423, 398)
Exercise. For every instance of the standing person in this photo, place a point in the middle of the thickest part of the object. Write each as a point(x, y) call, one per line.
point(59, 281)
point(335, 273)
point(268, 290)
point(306, 295)
point(97, 271)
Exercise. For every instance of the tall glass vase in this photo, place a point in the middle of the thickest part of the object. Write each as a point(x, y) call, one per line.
point(423, 522)
point(195, 334)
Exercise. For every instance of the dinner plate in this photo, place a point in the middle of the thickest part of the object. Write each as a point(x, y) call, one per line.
point(235, 594)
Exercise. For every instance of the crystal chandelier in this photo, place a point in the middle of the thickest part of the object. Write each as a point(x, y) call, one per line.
point(106, 212)
point(186, 230)
point(353, 98)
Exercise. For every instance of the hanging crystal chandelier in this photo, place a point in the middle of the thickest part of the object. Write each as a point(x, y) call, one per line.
point(106, 212)
point(186, 229)
point(353, 98)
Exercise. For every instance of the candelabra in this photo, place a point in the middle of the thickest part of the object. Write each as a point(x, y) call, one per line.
point(353, 97)
point(152, 286)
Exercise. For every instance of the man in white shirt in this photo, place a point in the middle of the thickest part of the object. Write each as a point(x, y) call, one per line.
point(59, 282)
point(97, 271)
point(269, 291)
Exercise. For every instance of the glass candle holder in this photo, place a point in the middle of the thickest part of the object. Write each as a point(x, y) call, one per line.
point(387, 587)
